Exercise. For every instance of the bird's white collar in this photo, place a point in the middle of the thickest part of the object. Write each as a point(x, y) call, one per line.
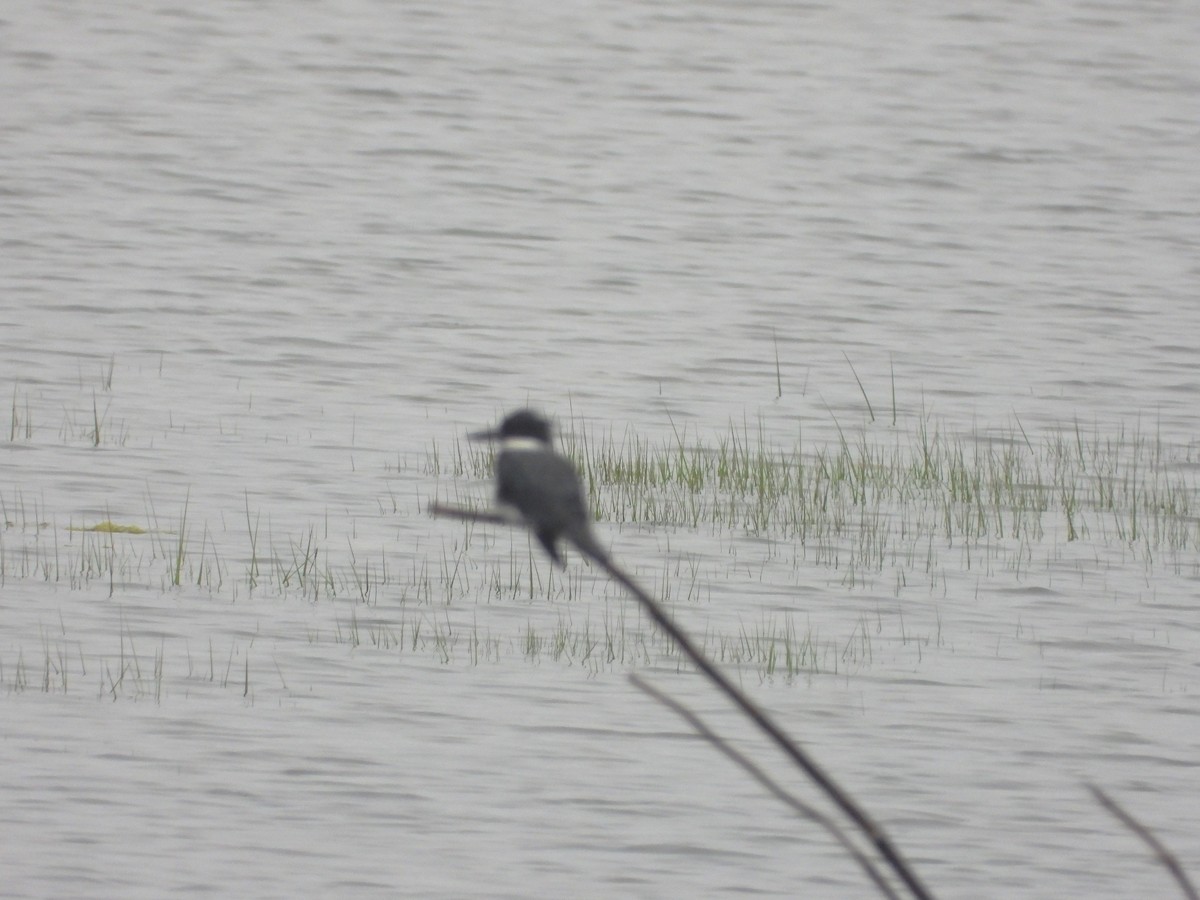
point(522, 443)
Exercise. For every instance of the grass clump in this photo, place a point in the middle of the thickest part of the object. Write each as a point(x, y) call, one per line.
point(878, 498)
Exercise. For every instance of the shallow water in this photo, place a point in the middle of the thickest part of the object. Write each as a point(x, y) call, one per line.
point(274, 258)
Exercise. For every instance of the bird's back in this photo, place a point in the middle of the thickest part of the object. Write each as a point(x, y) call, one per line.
point(545, 488)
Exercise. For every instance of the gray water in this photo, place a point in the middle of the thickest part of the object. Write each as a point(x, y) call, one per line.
point(256, 260)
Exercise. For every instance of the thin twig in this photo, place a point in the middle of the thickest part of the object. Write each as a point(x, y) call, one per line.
point(755, 713)
point(1164, 855)
point(861, 389)
point(760, 718)
point(756, 772)
point(778, 375)
point(489, 516)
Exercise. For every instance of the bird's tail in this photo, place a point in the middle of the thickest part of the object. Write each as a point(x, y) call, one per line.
point(584, 540)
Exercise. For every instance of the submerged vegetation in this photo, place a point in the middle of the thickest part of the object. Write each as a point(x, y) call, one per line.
point(886, 511)
point(899, 519)
point(872, 501)
point(1124, 487)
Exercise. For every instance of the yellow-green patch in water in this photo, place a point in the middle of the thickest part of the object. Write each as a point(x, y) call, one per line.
point(110, 527)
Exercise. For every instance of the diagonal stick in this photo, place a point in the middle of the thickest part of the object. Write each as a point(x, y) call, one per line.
point(756, 772)
point(1165, 856)
point(753, 711)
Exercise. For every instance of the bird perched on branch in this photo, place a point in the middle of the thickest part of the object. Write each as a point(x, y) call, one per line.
point(539, 487)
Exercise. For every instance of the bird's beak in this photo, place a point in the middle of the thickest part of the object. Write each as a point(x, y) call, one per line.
point(483, 435)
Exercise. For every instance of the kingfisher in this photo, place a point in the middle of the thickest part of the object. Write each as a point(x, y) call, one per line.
point(539, 487)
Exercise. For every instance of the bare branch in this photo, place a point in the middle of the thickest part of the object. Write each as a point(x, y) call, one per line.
point(759, 717)
point(847, 804)
point(466, 514)
point(1164, 855)
point(756, 772)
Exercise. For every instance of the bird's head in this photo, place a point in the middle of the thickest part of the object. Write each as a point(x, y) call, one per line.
point(522, 425)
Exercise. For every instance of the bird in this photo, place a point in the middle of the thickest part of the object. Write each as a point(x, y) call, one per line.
point(539, 487)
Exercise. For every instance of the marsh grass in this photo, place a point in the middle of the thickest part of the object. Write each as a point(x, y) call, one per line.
point(875, 498)
point(861, 506)
point(181, 543)
point(877, 509)
point(139, 666)
point(21, 421)
point(773, 649)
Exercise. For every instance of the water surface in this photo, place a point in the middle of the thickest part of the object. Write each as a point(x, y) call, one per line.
point(274, 256)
